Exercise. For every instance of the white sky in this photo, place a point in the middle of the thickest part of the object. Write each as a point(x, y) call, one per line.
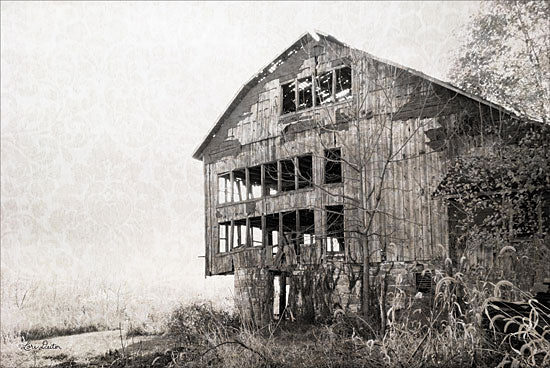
point(103, 104)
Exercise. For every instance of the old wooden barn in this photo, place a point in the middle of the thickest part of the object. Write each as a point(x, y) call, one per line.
point(330, 159)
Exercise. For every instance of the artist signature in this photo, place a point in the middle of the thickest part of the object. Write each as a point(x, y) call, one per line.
point(27, 346)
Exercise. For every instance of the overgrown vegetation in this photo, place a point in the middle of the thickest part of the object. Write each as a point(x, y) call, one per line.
point(461, 324)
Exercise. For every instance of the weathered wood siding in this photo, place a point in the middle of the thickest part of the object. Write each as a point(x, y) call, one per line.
point(393, 114)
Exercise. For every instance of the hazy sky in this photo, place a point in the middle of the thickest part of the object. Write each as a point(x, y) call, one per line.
point(102, 105)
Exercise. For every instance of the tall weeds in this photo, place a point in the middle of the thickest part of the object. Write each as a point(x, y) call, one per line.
point(459, 324)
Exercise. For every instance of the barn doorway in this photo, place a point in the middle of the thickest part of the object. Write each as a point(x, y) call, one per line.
point(281, 290)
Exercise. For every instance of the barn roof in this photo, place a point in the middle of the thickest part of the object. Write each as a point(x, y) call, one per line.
point(316, 35)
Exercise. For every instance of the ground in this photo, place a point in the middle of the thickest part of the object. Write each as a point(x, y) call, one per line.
point(83, 350)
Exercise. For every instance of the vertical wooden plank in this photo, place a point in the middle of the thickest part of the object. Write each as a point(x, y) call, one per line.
point(247, 182)
point(295, 160)
point(411, 183)
point(207, 217)
point(279, 177)
point(268, 251)
point(262, 179)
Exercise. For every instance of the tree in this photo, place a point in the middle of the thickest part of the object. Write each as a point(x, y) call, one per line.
point(498, 197)
point(506, 56)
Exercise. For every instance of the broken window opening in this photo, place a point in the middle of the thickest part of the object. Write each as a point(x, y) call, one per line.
point(306, 221)
point(289, 97)
point(223, 236)
point(290, 233)
point(239, 185)
point(323, 89)
point(271, 179)
point(239, 233)
point(287, 175)
point(333, 166)
point(335, 229)
point(224, 187)
point(255, 224)
point(305, 93)
point(343, 84)
point(272, 231)
point(305, 171)
point(255, 182)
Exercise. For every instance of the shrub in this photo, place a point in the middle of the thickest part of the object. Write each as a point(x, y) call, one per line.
point(195, 323)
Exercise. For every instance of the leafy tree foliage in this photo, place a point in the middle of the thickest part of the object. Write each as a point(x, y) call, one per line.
point(506, 55)
point(499, 204)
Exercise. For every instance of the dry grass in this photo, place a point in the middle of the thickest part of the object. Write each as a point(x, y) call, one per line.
point(447, 330)
point(455, 327)
point(33, 309)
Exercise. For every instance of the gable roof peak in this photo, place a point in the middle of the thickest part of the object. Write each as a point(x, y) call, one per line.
point(317, 36)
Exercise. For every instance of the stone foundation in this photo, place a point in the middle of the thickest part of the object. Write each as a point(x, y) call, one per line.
point(254, 294)
point(316, 292)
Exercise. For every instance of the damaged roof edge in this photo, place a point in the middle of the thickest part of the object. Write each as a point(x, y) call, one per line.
point(197, 154)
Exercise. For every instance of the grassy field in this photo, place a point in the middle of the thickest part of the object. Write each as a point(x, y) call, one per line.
point(36, 309)
point(82, 349)
point(444, 330)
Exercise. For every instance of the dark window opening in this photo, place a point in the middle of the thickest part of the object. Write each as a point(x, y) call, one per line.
point(343, 84)
point(255, 182)
point(323, 89)
point(272, 231)
point(305, 93)
point(239, 233)
point(306, 220)
point(224, 188)
point(333, 166)
point(223, 236)
point(289, 97)
point(424, 282)
point(335, 228)
point(239, 185)
point(287, 175)
point(289, 233)
point(270, 179)
point(255, 225)
point(305, 171)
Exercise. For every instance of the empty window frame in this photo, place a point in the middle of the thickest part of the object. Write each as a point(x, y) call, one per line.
point(306, 227)
point(331, 86)
point(289, 231)
point(300, 99)
point(255, 182)
point(288, 178)
point(289, 97)
point(423, 282)
point(271, 179)
point(224, 233)
point(305, 93)
point(239, 185)
point(224, 188)
point(239, 233)
point(305, 171)
point(272, 231)
point(335, 229)
point(333, 166)
point(255, 226)
point(324, 88)
point(343, 83)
